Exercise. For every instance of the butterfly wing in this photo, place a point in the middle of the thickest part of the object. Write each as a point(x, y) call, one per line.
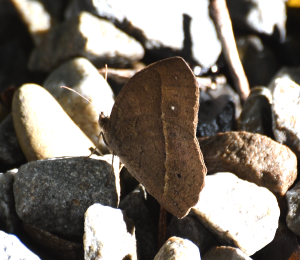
point(152, 129)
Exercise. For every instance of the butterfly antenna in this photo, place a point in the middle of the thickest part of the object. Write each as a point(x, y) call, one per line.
point(81, 96)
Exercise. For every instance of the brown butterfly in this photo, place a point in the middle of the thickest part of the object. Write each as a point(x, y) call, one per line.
point(152, 130)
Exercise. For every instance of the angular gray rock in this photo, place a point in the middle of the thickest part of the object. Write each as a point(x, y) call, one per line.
point(161, 31)
point(225, 253)
point(293, 202)
point(108, 234)
point(238, 212)
point(285, 113)
point(86, 36)
point(179, 249)
point(12, 248)
point(53, 194)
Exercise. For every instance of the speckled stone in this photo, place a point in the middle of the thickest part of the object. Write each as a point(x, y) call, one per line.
point(12, 248)
point(79, 74)
point(55, 245)
point(192, 229)
point(179, 249)
point(136, 205)
point(10, 150)
point(285, 109)
point(108, 234)
point(77, 37)
point(252, 157)
point(225, 253)
point(53, 194)
point(293, 202)
point(43, 128)
point(238, 212)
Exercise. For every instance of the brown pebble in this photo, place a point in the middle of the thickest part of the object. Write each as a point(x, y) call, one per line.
point(252, 157)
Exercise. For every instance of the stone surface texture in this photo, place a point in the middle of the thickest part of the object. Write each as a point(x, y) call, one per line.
point(293, 202)
point(53, 194)
point(179, 249)
point(252, 157)
point(108, 234)
point(192, 229)
point(285, 112)
point(225, 253)
point(237, 211)
point(11, 248)
point(80, 75)
point(77, 38)
point(43, 128)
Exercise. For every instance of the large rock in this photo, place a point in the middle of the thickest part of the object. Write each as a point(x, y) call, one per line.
point(53, 194)
point(85, 35)
point(225, 253)
point(238, 212)
point(293, 202)
point(43, 128)
point(108, 234)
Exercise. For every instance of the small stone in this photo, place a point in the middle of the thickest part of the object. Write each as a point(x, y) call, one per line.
point(285, 246)
point(190, 228)
point(238, 212)
point(55, 245)
point(225, 253)
point(252, 157)
point(292, 73)
point(216, 115)
point(9, 220)
point(12, 248)
point(43, 128)
point(256, 116)
point(293, 202)
point(286, 107)
point(53, 194)
point(36, 18)
point(79, 74)
point(10, 150)
point(86, 36)
point(179, 249)
point(136, 208)
point(108, 234)
point(188, 23)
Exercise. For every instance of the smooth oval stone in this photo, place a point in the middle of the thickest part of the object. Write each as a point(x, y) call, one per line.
point(252, 157)
point(179, 249)
point(43, 128)
point(86, 36)
point(80, 75)
point(238, 212)
point(286, 111)
point(256, 116)
point(108, 233)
